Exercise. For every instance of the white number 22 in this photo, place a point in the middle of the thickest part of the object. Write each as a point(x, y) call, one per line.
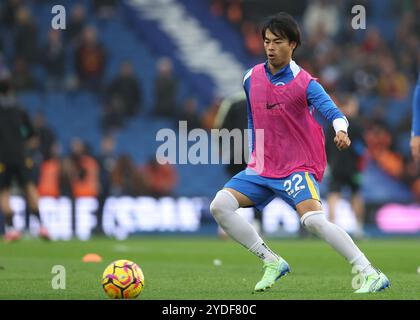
point(297, 179)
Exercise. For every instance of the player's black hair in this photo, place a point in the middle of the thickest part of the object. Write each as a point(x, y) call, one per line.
point(284, 26)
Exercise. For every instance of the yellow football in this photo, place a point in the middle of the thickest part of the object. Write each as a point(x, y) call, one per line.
point(123, 279)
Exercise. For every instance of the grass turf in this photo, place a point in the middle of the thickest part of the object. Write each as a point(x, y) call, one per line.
point(183, 268)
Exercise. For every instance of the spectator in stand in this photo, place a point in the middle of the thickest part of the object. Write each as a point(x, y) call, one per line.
point(161, 179)
point(392, 83)
point(234, 11)
point(90, 61)
point(321, 16)
point(123, 99)
point(54, 58)
point(26, 36)
point(125, 88)
point(76, 24)
point(55, 177)
point(85, 171)
point(126, 178)
point(105, 9)
point(8, 12)
point(166, 89)
point(22, 78)
point(112, 115)
point(66, 177)
point(107, 161)
point(380, 147)
point(373, 42)
point(49, 184)
point(189, 113)
point(252, 39)
point(217, 7)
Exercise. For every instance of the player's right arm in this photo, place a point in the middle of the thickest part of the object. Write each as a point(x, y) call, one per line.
point(415, 133)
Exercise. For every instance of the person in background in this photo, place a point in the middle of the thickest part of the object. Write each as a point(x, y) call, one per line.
point(289, 160)
point(15, 130)
point(90, 59)
point(160, 179)
point(54, 60)
point(85, 171)
point(126, 178)
point(105, 9)
point(233, 115)
point(190, 114)
point(77, 23)
point(22, 78)
point(126, 88)
point(346, 165)
point(415, 132)
point(106, 161)
point(45, 135)
point(166, 89)
point(50, 174)
point(8, 10)
point(208, 118)
point(26, 36)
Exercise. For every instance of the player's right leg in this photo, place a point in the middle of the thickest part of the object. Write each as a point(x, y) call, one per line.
point(334, 195)
point(224, 207)
point(25, 179)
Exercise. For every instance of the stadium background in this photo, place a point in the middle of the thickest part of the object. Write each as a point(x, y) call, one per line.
point(71, 89)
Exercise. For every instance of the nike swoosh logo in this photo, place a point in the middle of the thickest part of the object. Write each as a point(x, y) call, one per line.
point(271, 106)
point(294, 196)
point(373, 285)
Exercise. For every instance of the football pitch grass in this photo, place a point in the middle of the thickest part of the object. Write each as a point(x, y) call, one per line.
point(183, 268)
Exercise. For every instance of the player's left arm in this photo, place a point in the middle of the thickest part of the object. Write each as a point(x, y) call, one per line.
point(322, 102)
point(415, 133)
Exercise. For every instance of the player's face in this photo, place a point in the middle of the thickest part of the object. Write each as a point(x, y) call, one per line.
point(278, 50)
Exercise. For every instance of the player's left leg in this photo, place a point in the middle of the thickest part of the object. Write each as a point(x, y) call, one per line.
point(358, 207)
point(301, 190)
point(11, 234)
point(6, 176)
point(33, 201)
point(313, 219)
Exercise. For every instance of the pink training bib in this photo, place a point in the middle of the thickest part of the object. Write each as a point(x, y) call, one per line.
point(292, 140)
